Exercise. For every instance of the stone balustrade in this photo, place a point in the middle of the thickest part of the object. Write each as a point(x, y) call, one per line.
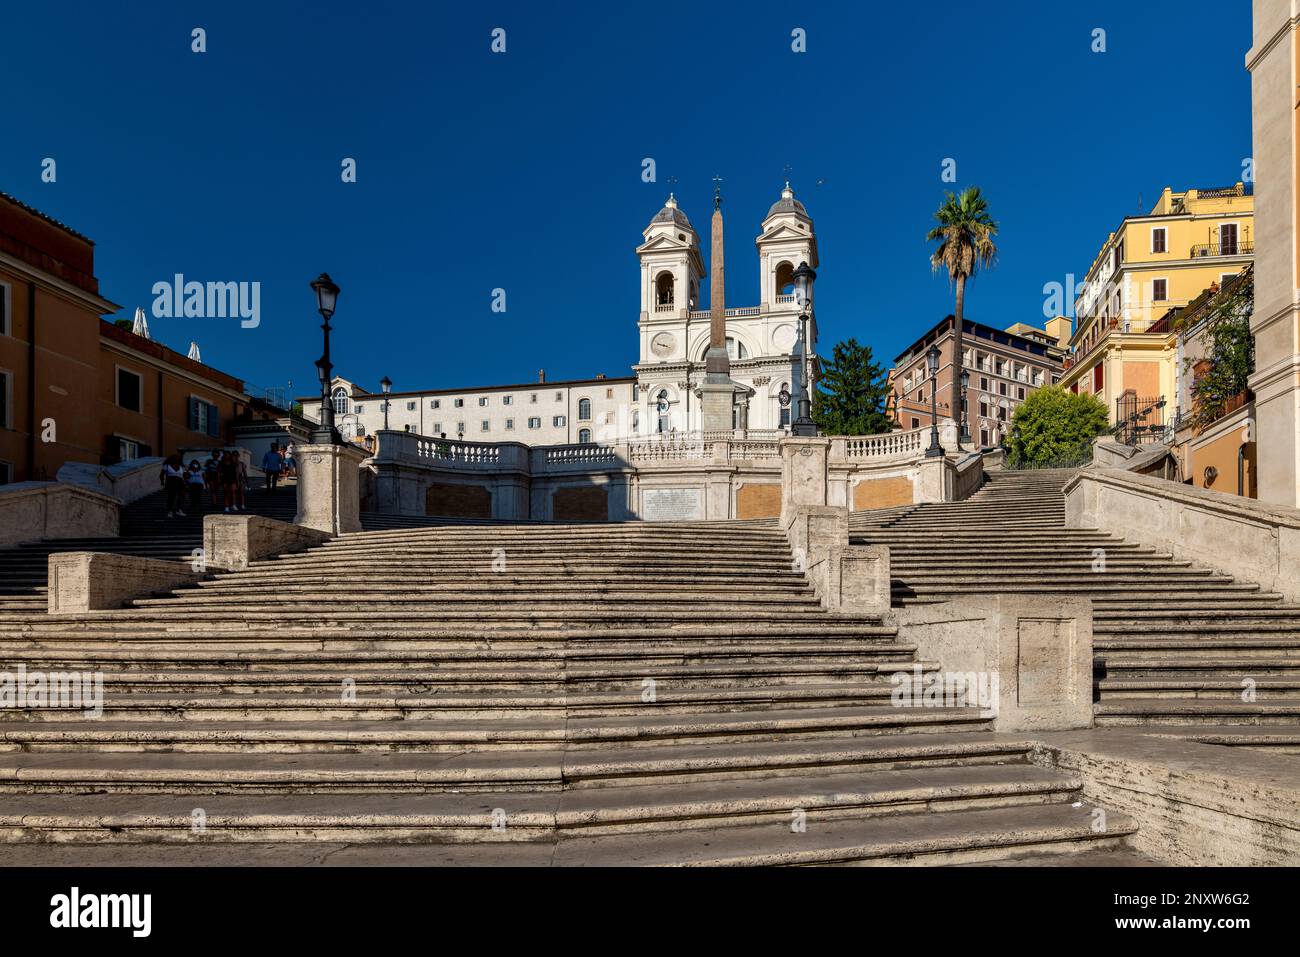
point(682, 476)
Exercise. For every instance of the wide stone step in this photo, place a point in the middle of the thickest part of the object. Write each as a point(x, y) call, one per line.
point(969, 837)
point(635, 697)
point(1161, 711)
point(524, 816)
point(601, 749)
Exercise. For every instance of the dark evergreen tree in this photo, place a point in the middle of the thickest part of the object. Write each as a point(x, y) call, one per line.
point(851, 393)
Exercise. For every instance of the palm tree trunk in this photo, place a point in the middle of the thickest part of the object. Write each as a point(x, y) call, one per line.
point(957, 355)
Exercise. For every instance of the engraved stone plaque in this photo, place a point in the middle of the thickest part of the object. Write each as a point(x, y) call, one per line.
point(672, 504)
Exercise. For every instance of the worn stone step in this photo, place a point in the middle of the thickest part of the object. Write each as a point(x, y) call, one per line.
point(524, 816)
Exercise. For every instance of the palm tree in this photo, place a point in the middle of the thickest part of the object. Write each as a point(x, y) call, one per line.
point(965, 237)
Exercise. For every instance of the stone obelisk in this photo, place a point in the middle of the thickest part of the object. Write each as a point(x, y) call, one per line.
point(717, 392)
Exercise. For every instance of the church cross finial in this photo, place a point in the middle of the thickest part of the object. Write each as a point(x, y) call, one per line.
point(787, 170)
point(717, 192)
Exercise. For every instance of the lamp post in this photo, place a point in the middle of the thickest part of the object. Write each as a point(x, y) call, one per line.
point(965, 427)
point(803, 280)
point(932, 363)
point(327, 294)
point(387, 385)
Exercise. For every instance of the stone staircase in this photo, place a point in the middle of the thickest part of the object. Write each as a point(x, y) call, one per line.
point(146, 532)
point(1175, 644)
point(633, 693)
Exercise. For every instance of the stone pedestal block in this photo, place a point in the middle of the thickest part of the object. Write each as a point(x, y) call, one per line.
point(1031, 655)
point(716, 402)
point(803, 473)
point(329, 494)
point(234, 541)
point(852, 579)
point(93, 581)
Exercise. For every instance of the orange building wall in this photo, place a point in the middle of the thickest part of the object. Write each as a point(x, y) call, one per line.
point(1222, 455)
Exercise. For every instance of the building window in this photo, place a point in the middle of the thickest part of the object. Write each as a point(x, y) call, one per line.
point(460, 428)
point(459, 403)
point(558, 421)
point(636, 389)
point(1159, 240)
point(1159, 290)
point(584, 410)
point(128, 450)
point(6, 473)
point(1020, 392)
point(507, 400)
point(1098, 378)
point(340, 401)
point(1228, 239)
point(358, 409)
point(203, 417)
point(916, 423)
point(984, 384)
point(609, 393)
point(129, 387)
point(559, 397)
point(437, 428)
point(410, 407)
point(984, 438)
point(6, 384)
point(435, 404)
point(984, 408)
point(636, 421)
point(533, 398)
point(485, 426)
point(4, 309)
point(1002, 388)
point(535, 423)
point(510, 425)
point(584, 436)
point(482, 401)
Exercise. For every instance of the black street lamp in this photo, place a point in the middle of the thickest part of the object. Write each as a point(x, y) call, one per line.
point(932, 362)
point(327, 295)
point(387, 385)
point(965, 428)
point(803, 279)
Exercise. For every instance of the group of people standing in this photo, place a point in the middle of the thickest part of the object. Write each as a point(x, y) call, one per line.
point(224, 476)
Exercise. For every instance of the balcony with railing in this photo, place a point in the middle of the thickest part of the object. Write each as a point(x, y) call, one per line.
point(1239, 247)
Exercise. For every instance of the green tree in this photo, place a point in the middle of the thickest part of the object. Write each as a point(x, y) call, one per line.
point(1224, 327)
point(965, 234)
point(851, 393)
point(1054, 426)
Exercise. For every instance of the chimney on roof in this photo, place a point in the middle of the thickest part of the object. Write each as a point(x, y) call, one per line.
point(600, 375)
point(541, 375)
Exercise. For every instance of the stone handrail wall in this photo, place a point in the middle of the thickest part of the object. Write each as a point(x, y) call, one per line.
point(125, 481)
point(34, 510)
point(1237, 536)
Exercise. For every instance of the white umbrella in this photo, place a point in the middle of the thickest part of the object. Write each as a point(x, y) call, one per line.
point(194, 351)
point(140, 327)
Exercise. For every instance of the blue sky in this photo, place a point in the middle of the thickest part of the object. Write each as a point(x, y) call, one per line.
point(522, 170)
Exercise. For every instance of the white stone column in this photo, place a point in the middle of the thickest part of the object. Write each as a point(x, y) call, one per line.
point(329, 494)
point(1272, 62)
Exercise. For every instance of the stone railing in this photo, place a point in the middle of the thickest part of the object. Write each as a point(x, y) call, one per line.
point(885, 445)
point(1237, 536)
point(585, 456)
point(125, 481)
point(412, 449)
point(36, 510)
point(652, 451)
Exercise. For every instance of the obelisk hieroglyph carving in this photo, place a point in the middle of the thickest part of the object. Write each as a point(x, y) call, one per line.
point(717, 392)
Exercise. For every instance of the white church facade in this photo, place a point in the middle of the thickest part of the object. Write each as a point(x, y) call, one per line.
point(764, 342)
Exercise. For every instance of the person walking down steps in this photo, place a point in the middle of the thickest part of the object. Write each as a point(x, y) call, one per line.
point(228, 473)
point(173, 480)
point(272, 465)
point(194, 484)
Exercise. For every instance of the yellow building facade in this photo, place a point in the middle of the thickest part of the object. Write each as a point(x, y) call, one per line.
point(1148, 266)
